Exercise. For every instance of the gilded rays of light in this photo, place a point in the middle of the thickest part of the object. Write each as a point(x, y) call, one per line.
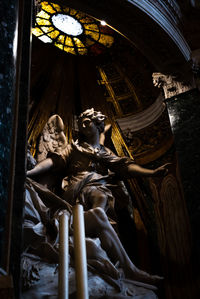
point(74, 44)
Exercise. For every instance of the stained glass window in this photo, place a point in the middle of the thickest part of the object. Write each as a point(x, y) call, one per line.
point(71, 30)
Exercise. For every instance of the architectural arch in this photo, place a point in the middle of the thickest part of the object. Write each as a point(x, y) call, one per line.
point(145, 23)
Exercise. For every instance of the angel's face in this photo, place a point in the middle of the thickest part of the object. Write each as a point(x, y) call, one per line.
point(88, 127)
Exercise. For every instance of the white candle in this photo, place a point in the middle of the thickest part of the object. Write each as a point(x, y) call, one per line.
point(80, 252)
point(63, 256)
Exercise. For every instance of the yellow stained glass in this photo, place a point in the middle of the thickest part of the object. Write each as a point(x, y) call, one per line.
point(60, 46)
point(47, 29)
point(72, 12)
point(45, 38)
point(82, 51)
point(53, 34)
point(86, 20)
point(37, 31)
point(47, 7)
point(89, 42)
point(94, 35)
point(61, 39)
point(106, 40)
point(66, 10)
point(68, 42)
point(42, 22)
point(56, 7)
point(78, 43)
point(91, 27)
point(70, 50)
point(80, 15)
point(43, 14)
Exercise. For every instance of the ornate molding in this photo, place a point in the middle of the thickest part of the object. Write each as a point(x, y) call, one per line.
point(171, 85)
point(170, 8)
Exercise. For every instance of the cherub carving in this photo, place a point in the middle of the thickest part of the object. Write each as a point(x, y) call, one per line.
point(52, 138)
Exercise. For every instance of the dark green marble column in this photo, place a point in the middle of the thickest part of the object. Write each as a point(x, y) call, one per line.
point(8, 43)
point(184, 113)
point(15, 25)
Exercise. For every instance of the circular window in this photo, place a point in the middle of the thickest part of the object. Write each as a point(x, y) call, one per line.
point(67, 24)
point(71, 30)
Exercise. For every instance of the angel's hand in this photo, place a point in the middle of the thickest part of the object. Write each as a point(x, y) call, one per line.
point(162, 170)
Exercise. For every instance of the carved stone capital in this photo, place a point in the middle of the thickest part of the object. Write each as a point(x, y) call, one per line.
point(171, 85)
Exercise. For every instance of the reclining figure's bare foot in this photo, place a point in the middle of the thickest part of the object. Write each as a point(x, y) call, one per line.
point(139, 275)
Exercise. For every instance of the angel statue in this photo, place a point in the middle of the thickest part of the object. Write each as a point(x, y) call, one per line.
point(89, 173)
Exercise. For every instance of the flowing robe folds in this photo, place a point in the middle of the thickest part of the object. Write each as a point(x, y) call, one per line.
point(85, 168)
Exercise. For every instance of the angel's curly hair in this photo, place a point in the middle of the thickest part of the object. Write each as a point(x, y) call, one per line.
point(96, 116)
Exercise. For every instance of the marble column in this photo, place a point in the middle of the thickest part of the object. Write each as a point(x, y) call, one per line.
point(14, 84)
point(8, 42)
point(184, 114)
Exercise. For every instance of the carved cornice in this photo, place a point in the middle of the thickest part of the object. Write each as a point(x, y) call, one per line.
point(171, 85)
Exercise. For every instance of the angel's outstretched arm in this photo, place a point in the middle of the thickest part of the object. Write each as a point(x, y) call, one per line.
point(137, 170)
point(41, 167)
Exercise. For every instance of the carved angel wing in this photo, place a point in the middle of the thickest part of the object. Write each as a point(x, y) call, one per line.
point(52, 138)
